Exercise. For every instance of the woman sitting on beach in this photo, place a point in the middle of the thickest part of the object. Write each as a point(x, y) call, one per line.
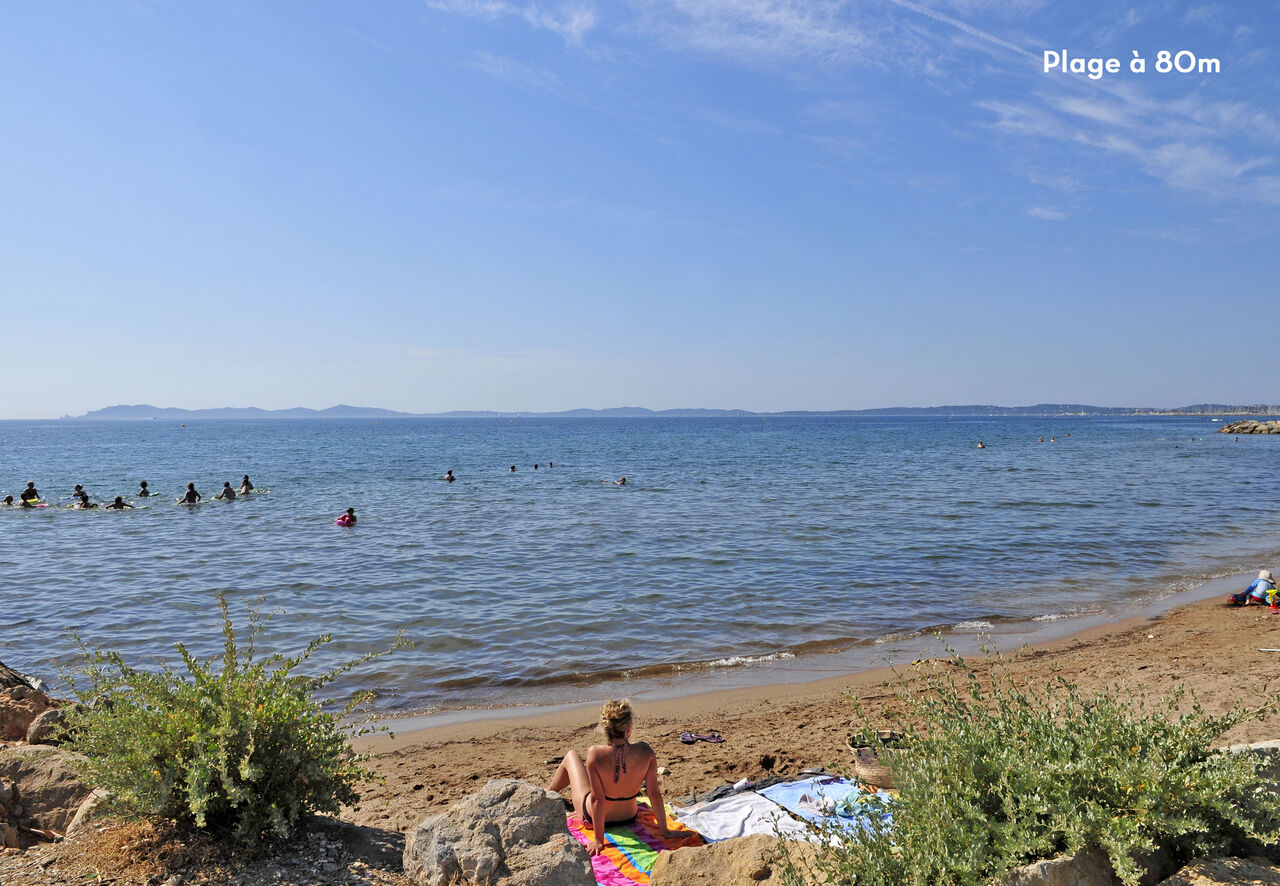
point(605, 788)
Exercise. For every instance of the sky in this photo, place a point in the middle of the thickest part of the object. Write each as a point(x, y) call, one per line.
point(752, 204)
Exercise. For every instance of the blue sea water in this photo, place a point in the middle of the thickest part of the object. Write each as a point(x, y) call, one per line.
point(736, 543)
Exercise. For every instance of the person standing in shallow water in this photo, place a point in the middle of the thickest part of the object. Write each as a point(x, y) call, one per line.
point(245, 486)
point(606, 785)
point(190, 497)
point(143, 491)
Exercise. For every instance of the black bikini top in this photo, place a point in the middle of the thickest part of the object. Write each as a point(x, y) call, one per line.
point(620, 766)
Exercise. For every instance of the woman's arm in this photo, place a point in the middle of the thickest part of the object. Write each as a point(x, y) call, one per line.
point(654, 791)
point(599, 805)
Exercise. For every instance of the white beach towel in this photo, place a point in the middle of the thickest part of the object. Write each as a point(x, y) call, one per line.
point(738, 815)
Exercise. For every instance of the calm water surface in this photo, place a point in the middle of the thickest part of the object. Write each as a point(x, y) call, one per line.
point(735, 543)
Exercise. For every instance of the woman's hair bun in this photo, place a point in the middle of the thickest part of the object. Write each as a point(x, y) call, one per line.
point(615, 717)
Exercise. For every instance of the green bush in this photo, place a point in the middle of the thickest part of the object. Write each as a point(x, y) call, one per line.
point(241, 751)
point(992, 776)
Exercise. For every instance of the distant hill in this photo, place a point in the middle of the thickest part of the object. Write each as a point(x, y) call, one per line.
point(142, 411)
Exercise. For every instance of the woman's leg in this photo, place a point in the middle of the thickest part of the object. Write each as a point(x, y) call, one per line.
point(572, 773)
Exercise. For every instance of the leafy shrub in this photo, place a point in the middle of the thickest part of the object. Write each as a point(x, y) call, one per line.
point(992, 776)
point(242, 751)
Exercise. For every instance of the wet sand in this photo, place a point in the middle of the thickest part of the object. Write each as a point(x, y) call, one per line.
point(1214, 650)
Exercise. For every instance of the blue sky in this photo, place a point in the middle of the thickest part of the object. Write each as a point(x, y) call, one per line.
point(759, 204)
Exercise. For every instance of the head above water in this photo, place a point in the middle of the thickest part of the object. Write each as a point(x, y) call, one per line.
point(191, 486)
point(142, 483)
point(615, 718)
point(351, 512)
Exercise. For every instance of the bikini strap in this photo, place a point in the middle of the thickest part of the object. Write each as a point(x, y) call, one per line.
point(619, 760)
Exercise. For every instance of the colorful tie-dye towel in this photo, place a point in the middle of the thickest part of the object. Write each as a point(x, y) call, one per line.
point(631, 849)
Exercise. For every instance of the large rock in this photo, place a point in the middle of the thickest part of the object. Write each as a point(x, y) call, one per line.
point(511, 833)
point(49, 792)
point(46, 728)
point(19, 707)
point(1227, 872)
point(741, 861)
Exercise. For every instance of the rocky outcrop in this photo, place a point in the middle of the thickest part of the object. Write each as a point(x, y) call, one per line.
point(19, 707)
point(1227, 872)
point(44, 792)
point(511, 833)
point(1249, 426)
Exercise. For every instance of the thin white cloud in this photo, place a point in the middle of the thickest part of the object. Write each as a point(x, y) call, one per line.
point(758, 31)
point(570, 21)
point(1046, 213)
point(518, 73)
point(966, 28)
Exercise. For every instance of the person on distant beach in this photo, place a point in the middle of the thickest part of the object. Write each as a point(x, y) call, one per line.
point(227, 493)
point(190, 497)
point(119, 504)
point(1256, 593)
point(448, 476)
point(245, 486)
point(143, 491)
point(606, 785)
point(30, 493)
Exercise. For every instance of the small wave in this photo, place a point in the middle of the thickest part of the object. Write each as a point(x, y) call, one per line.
point(973, 626)
point(735, 660)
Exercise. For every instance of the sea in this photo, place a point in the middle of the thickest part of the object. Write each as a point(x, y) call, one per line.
point(740, 551)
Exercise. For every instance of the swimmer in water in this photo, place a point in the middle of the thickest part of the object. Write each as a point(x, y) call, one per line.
point(143, 491)
point(351, 516)
point(77, 492)
point(551, 464)
point(190, 497)
point(245, 486)
point(535, 467)
point(29, 494)
point(622, 482)
point(513, 469)
point(448, 476)
point(227, 493)
point(1041, 440)
point(8, 500)
point(982, 445)
point(84, 504)
point(119, 504)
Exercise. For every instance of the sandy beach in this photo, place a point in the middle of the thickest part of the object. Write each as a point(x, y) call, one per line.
point(1214, 650)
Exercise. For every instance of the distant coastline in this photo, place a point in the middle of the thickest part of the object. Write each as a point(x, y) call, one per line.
point(146, 412)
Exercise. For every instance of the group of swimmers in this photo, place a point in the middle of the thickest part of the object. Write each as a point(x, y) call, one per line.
point(30, 497)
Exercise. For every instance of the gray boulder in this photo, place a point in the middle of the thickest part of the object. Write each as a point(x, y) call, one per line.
point(511, 833)
point(45, 728)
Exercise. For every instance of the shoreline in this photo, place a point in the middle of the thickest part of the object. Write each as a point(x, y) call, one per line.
point(781, 729)
point(702, 680)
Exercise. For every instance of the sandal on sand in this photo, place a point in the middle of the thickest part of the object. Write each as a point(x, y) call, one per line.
point(690, 738)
